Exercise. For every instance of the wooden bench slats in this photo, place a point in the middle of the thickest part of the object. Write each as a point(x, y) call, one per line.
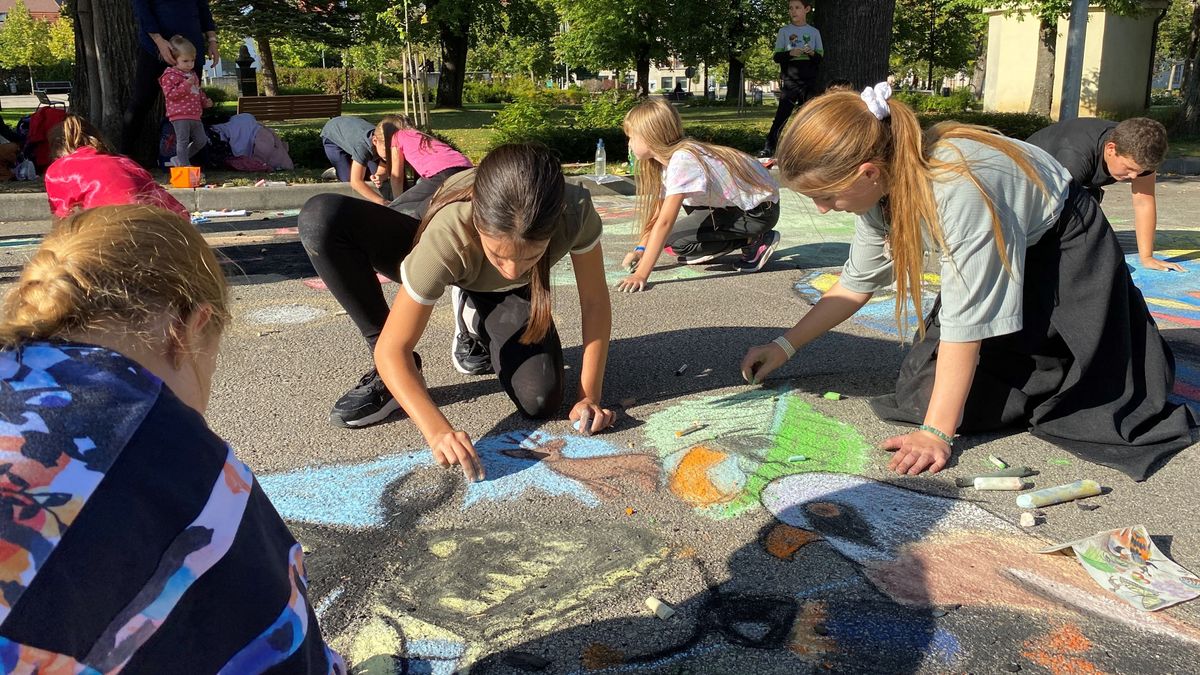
point(304, 106)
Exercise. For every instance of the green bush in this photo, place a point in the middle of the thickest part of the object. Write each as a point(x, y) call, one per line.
point(527, 119)
point(304, 146)
point(959, 100)
point(218, 94)
point(1165, 97)
point(498, 91)
point(1013, 125)
point(748, 140)
point(364, 85)
point(604, 110)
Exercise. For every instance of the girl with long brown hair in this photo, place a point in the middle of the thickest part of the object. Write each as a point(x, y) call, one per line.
point(1037, 326)
point(400, 143)
point(490, 237)
point(731, 201)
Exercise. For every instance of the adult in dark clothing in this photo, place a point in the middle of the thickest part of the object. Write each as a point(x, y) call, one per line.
point(1098, 152)
point(158, 21)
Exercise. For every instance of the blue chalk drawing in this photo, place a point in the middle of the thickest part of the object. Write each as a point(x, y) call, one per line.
point(350, 495)
point(432, 657)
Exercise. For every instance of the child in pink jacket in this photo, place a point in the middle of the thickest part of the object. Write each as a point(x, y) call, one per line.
point(184, 100)
point(85, 174)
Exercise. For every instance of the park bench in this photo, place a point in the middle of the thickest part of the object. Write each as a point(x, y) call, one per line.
point(42, 89)
point(280, 108)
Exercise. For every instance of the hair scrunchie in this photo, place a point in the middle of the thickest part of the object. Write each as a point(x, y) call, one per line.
point(876, 99)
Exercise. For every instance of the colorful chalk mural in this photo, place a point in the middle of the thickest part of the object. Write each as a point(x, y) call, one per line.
point(746, 440)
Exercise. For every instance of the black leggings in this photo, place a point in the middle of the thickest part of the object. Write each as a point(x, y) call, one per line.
point(415, 200)
point(707, 230)
point(789, 99)
point(349, 239)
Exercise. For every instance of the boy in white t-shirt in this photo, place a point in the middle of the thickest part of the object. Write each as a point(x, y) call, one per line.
point(798, 51)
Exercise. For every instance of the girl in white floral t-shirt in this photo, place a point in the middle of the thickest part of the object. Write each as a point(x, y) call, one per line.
point(731, 203)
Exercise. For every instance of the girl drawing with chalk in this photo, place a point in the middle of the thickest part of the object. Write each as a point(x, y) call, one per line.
point(1038, 325)
point(400, 143)
point(490, 237)
point(731, 203)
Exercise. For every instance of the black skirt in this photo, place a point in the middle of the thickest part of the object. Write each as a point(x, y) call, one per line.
point(1089, 370)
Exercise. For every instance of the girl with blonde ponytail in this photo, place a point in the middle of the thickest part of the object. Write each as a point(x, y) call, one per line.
point(1037, 326)
point(85, 174)
point(120, 498)
point(490, 238)
point(731, 202)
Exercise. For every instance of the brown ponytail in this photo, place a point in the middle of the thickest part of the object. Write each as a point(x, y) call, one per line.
point(833, 135)
point(115, 268)
point(72, 133)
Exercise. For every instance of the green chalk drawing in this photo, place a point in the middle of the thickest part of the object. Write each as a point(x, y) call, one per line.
point(760, 431)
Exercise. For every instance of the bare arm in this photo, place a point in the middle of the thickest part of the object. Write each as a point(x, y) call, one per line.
point(834, 307)
point(394, 361)
point(654, 241)
point(396, 171)
point(358, 181)
point(921, 450)
point(596, 310)
point(1145, 222)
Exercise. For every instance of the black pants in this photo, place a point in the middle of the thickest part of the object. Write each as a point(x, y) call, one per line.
point(790, 98)
point(348, 240)
point(145, 92)
point(706, 230)
point(415, 200)
point(1088, 371)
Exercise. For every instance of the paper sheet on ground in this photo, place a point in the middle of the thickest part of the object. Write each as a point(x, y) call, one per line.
point(1127, 563)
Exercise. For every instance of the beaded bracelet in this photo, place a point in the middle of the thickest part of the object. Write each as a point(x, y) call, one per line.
point(785, 345)
point(939, 433)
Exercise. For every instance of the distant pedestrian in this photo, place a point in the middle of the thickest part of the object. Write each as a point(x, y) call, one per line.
point(157, 21)
point(185, 102)
point(798, 51)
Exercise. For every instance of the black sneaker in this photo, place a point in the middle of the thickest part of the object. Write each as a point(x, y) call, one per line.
point(756, 255)
point(470, 355)
point(367, 403)
point(766, 154)
point(701, 258)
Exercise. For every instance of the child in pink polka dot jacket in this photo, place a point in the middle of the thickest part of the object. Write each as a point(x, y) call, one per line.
point(184, 100)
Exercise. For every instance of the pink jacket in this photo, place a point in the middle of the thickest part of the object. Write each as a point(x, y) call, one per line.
point(85, 179)
point(182, 94)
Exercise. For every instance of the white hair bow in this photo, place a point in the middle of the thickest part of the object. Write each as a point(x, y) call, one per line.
point(876, 99)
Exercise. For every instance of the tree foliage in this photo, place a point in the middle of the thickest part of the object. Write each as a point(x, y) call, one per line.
point(25, 41)
point(942, 35)
point(615, 34)
point(1174, 30)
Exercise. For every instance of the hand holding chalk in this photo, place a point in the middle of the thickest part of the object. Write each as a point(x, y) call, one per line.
point(760, 361)
point(590, 418)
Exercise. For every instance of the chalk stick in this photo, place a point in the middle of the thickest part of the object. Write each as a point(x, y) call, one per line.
point(797, 458)
point(832, 396)
point(999, 463)
point(1059, 494)
point(681, 371)
point(1012, 471)
point(692, 429)
point(1001, 483)
point(1028, 519)
point(661, 609)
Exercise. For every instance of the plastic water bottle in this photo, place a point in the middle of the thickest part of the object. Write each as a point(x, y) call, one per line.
point(632, 163)
point(601, 159)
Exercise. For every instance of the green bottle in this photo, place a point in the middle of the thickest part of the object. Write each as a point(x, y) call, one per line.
point(632, 163)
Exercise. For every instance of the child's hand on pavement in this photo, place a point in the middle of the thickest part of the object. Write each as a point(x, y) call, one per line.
point(632, 284)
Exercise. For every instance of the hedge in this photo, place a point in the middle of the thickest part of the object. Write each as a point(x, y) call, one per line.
point(364, 85)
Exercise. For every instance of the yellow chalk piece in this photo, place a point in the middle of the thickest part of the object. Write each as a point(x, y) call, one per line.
point(1000, 483)
point(661, 609)
point(690, 430)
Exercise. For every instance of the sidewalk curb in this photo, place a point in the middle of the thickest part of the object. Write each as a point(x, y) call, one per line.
point(32, 206)
point(1183, 166)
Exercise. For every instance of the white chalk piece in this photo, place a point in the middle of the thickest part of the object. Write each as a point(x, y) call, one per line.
point(661, 609)
point(797, 458)
point(690, 430)
point(1000, 483)
point(1059, 494)
point(1028, 519)
point(682, 370)
point(997, 462)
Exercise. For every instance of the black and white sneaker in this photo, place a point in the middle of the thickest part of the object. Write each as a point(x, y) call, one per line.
point(467, 351)
point(701, 258)
point(367, 403)
point(758, 253)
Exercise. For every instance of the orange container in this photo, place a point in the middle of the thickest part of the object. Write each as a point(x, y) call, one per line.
point(186, 177)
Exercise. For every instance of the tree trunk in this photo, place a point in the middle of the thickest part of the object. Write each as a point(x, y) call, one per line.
point(857, 36)
point(643, 70)
point(1189, 114)
point(266, 62)
point(1043, 80)
point(454, 63)
point(106, 44)
point(737, 79)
